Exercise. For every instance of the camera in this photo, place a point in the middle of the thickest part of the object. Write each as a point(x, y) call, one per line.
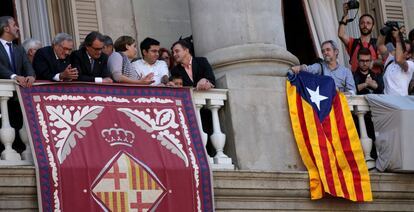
point(353, 4)
point(389, 27)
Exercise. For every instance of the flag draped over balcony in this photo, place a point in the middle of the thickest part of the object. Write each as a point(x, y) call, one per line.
point(327, 138)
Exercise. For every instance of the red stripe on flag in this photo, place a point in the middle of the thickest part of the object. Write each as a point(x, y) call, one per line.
point(325, 155)
point(133, 173)
point(115, 201)
point(303, 127)
point(327, 127)
point(328, 132)
point(346, 146)
point(123, 206)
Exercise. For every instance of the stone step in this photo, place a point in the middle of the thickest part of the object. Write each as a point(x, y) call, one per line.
point(244, 191)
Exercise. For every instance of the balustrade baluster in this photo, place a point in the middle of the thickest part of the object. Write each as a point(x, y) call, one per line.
point(7, 133)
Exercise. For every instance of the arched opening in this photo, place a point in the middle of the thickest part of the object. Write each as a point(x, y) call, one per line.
point(297, 31)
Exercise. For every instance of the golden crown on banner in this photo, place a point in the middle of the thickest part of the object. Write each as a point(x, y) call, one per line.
point(118, 136)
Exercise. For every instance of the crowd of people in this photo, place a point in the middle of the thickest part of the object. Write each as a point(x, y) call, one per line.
point(101, 60)
point(382, 65)
point(98, 60)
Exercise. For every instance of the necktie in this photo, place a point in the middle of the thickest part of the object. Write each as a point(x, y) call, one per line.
point(12, 62)
point(92, 63)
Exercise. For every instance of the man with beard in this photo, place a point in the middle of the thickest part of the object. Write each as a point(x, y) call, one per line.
point(329, 67)
point(366, 23)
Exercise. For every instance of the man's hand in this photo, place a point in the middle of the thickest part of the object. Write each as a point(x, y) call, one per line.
point(148, 79)
point(298, 68)
point(370, 82)
point(204, 84)
point(107, 80)
point(29, 81)
point(396, 34)
point(345, 9)
point(171, 84)
point(25, 81)
point(69, 74)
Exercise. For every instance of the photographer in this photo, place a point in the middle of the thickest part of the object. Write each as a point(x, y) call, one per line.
point(366, 24)
point(399, 69)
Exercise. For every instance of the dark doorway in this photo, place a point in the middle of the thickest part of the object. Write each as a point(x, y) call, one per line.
point(7, 8)
point(297, 32)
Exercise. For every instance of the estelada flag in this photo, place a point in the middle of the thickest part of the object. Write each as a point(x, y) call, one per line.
point(327, 138)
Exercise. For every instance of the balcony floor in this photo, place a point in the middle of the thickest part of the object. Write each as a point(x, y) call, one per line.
point(244, 191)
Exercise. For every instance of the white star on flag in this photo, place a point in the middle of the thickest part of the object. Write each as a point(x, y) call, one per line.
point(316, 97)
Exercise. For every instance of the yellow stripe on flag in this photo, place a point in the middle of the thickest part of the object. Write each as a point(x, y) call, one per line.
point(111, 201)
point(314, 140)
point(340, 156)
point(315, 182)
point(144, 174)
point(357, 150)
point(334, 168)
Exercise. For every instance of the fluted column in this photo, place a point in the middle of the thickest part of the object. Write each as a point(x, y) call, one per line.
point(242, 34)
point(245, 43)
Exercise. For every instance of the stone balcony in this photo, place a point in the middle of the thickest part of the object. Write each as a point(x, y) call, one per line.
point(234, 190)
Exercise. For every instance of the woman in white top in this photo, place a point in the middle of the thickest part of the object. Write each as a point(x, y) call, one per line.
point(119, 63)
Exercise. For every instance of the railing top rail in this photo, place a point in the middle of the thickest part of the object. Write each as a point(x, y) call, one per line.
point(7, 85)
point(216, 94)
point(357, 100)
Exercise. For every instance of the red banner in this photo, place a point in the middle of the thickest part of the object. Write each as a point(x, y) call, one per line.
point(116, 148)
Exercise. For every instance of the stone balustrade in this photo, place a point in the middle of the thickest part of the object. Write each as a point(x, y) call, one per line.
point(359, 106)
point(213, 100)
point(9, 156)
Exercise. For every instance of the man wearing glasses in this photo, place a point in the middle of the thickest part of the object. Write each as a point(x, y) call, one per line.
point(366, 81)
point(90, 61)
point(53, 63)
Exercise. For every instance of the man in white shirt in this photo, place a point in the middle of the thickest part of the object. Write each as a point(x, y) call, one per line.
point(150, 63)
point(14, 63)
point(399, 69)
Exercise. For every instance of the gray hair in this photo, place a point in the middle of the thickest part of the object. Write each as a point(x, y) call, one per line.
point(333, 43)
point(31, 44)
point(60, 37)
point(4, 22)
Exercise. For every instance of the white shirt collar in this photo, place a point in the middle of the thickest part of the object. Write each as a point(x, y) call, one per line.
point(4, 42)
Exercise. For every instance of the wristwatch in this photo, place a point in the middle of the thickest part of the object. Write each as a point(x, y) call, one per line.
point(343, 22)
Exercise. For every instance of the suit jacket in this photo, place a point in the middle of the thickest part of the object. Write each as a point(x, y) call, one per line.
point(46, 65)
point(80, 60)
point(23, 66)
point(201, 69)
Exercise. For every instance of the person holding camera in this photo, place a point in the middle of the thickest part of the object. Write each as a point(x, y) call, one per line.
point(366, 24)
point(398, 69)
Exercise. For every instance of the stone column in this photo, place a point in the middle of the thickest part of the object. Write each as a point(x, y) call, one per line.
point(245, 43)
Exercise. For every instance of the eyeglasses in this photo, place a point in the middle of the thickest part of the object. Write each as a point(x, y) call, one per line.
point(96, 49)
point(65, 48)
point(364, 61)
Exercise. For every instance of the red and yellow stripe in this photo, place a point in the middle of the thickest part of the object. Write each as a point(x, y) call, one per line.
point(331, 151)
point(139, 179)
point(115, 201)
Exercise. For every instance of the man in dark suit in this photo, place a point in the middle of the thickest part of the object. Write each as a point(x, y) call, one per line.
point(195, 71)
point(90, 61)
point(53, 62)
point(14, 63)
